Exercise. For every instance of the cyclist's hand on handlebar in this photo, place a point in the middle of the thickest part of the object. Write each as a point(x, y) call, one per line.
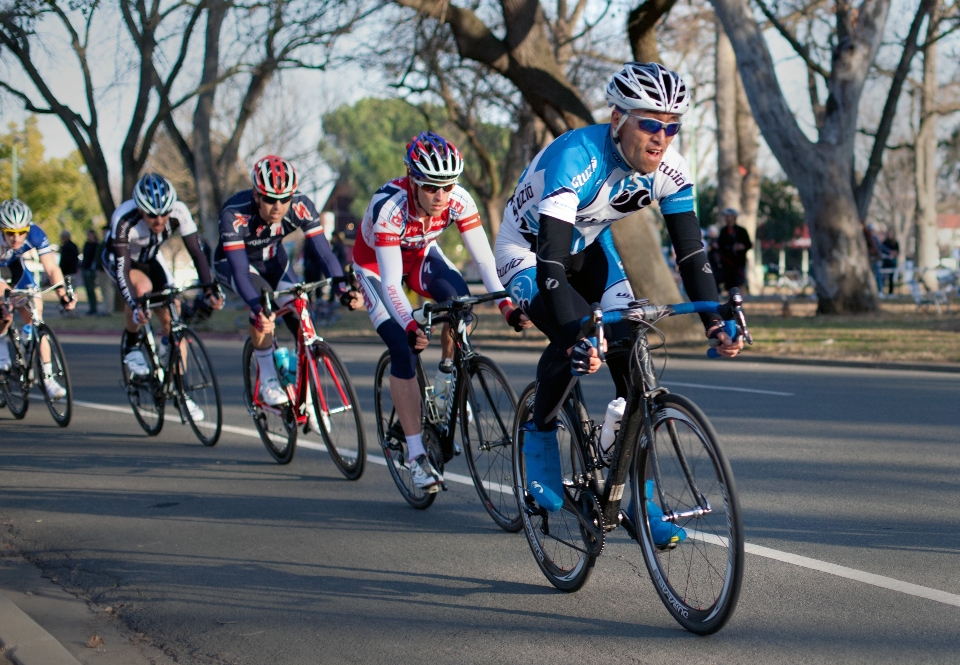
point(68, 303)
point(214, 298)
point(351, 300)
point(141, 315)
point(584, 358)
point(417, 339)
point(726, 347)
point(518, 319)
point(263, 323)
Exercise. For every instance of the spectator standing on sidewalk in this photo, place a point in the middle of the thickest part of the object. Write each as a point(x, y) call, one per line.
point(69, 255)
point(734, 243)
point(88, 268)
point(890, 250)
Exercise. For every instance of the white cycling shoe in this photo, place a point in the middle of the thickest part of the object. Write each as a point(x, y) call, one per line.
point(196, 413)
point(424, 475)
point(272, 393)
point(136, 363)
point(54, 390)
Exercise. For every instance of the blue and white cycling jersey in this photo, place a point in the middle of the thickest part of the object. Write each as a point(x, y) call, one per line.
point(580, 178)
point(13, 258)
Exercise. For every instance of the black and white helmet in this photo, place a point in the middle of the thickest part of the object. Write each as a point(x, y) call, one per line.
point(15, 215)
point(154, 195)
point(648, 86)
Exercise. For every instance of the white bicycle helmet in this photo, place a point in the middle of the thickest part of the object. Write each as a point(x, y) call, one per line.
point(648, 86)
point(432, 160)
point(154, 194)
point(15, 215)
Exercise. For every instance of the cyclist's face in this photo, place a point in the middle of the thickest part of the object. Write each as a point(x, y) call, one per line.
point(272, 210)
point(157, 223)
point(433, 202)
point(643, 151)
point(15, 239)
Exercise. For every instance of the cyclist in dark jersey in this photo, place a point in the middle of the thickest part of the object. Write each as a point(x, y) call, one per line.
point(250, 256)
point(555, 251)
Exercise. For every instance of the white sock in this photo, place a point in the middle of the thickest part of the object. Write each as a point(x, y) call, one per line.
point(414, 446)
point(48, 369)
point(265, 362)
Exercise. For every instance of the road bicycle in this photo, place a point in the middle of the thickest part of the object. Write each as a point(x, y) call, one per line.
point(26, 361)
point(182, 375)
point(669, 451)
point(320, 382)
point(480, 396)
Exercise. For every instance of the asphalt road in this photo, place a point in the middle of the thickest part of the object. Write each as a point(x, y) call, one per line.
point(220, 555)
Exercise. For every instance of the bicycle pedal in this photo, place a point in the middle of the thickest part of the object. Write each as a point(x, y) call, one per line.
point(444, 486)
point(457, 450)
point(433, 489)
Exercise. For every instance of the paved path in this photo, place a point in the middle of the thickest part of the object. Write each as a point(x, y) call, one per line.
point(848, 479)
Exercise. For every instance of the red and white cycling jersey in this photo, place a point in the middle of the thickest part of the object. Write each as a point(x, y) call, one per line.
point(391, 220)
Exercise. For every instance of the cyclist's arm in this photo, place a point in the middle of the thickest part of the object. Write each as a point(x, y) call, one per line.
point(235, 248)
point(476, 243)
point(390, 262)
point(54, 273)
point(319, 249)
point(698, 278)
point(121, 253)
point(553, 260)
point(192, 242)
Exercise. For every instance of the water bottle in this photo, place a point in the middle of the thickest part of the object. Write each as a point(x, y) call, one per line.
point(441, 386)
point(281, 358)
point(291, 374)
point(611, 425)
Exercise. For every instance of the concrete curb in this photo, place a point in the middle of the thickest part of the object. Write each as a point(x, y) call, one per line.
point(25, 642)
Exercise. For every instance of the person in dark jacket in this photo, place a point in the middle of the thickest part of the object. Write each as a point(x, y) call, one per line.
point(733, 243)
point(88, 269)
point(69, 255)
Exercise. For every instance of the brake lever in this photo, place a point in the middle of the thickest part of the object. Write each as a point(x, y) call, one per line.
point(598, 329)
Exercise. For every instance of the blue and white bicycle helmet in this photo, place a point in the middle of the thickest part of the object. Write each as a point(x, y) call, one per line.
point(15, 215)
point(432, 160)
point(648, 86)
point(154, 195)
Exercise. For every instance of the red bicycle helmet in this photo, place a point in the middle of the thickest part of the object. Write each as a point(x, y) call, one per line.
point(274, 177)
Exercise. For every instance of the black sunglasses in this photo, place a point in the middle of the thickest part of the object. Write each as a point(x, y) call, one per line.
point(433, 189)
point(276, 199)
point(651, 126)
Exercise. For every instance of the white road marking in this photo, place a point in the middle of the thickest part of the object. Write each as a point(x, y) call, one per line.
point(728, 388)
point(880, 581)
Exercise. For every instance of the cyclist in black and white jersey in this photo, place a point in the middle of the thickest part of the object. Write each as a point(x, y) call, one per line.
point(555, 251)
point(132, 257)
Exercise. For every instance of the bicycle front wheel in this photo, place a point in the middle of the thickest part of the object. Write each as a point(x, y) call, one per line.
point(277, 425)
point(487, 407)
point(338, 411)
point(556, 539)
point(15, 382)
point(145, 393)
point(199, 391)
point(394, 443)
point(683, 475)
point(55, 383)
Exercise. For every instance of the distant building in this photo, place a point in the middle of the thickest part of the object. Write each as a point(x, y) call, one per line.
point(339, 203)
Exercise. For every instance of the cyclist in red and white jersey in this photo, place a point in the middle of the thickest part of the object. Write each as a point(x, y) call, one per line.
point(396, 246)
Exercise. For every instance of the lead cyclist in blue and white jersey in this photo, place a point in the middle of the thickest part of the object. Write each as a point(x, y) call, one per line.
point(555, 252)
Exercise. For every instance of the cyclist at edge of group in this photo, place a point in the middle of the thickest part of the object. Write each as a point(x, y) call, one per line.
point(250, 256)
point(397, 245)
point(132, 259)
point(20, 235)
point(555, 251)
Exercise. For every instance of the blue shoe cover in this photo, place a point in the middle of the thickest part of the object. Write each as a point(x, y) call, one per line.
point(664, 533)
point(541, 454)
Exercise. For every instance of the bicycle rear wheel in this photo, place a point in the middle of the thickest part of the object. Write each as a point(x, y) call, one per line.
point(145, 393)
point(487, 408)
point(394, 445)
point(338, 412)
point(277, 425)
point(61, 407)
point(197, 381)
point(15, 382)
point(555, 539)
point(698, 578)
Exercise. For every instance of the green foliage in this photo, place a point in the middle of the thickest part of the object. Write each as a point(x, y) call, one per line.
point(58, 191)
point(781, 213)
point(707, 205)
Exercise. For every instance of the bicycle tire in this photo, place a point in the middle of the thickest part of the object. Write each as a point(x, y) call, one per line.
point(60, 409)
point(488, 406)
point(16, 384)
point(145, 394)
point(197, 380)
point(394, 446)
point(561, 558)
point(338, 412)
point(699, 578)
point(277, 426)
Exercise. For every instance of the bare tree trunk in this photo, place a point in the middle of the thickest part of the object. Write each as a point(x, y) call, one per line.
point(638, 243)
point(748, 145)
point(728, 172)
point(925, 164)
